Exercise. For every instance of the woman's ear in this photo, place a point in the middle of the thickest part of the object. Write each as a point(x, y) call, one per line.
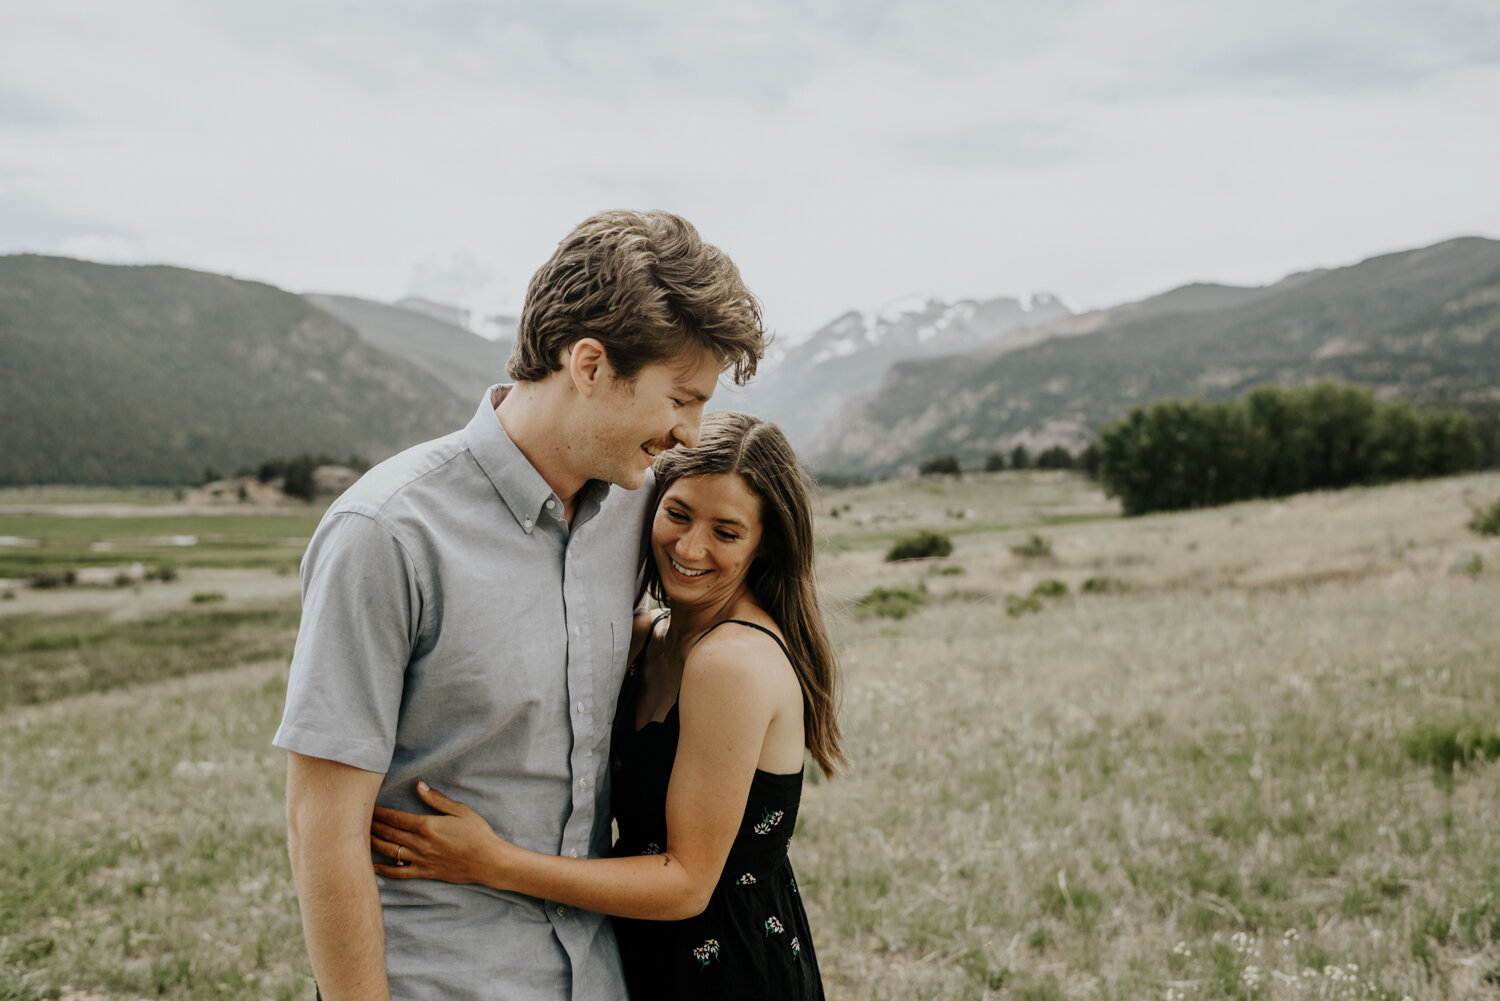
point(588, 365)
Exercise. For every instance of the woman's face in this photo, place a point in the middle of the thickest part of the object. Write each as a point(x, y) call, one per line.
point(704, 537)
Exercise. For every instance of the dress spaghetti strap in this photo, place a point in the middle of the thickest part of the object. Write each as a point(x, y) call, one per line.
point(741, 622)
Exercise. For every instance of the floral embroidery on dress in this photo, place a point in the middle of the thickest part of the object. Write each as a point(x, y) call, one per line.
point(796, 947)
point(651, 849)
point(747, 879)
point(791, 883)
point(773, 926)
point(768, 820)
point(708, 951)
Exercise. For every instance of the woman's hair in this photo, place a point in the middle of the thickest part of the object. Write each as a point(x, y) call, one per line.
point(648, 287)
point(781, 576)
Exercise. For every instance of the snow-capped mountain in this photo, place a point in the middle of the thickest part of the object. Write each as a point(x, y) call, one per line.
point(801, 385)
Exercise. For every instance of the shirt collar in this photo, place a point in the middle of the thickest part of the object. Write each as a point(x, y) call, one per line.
point(515, 479)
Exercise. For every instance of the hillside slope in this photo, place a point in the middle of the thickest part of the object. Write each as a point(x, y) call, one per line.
point(463, 360)
point(150, 374)
point(1422, 323)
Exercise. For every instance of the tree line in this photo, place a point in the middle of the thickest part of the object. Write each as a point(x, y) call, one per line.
point(1176, 454)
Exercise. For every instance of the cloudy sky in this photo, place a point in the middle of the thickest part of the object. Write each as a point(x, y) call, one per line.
point(845, 152)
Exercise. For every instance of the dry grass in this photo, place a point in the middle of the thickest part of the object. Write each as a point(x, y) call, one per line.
point(1190, 784)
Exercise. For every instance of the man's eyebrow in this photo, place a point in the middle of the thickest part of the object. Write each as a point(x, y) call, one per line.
point(682, 389)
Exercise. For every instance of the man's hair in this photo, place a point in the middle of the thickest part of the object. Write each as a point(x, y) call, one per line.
point(781, 577)
point(645, 285)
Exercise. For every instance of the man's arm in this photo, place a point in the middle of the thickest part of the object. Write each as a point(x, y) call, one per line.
point(328, 810)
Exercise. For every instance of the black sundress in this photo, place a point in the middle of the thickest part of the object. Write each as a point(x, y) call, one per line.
point(751, 942)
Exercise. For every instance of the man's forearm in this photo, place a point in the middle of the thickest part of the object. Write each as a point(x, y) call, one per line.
point(328, 823)
point(341, 920)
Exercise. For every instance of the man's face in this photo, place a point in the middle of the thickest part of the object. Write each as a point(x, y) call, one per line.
point(635, 422)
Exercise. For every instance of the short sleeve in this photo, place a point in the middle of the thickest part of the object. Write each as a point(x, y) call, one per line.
point(361, 616)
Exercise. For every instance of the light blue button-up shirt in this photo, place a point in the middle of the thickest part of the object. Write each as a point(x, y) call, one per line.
point(456, 629)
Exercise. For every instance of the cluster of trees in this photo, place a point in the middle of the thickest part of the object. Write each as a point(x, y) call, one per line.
point(296, 472)
point(1056, 457)
point(1178, 454)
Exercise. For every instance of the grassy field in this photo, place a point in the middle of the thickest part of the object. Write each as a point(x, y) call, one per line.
point(1218, 754)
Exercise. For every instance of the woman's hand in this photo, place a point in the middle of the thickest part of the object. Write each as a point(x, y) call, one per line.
point(455, 846)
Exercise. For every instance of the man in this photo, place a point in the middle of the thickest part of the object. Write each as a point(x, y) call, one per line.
point(466, 618)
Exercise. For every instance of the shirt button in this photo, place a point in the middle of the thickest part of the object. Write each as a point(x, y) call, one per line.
point(573, 853)
point(526, 523)
point(583, 783)
point(580, 708)
point(551, 504)
point(576, 631)
point(562, 912)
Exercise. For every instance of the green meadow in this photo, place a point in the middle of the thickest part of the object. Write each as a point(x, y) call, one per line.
point(1243, 752)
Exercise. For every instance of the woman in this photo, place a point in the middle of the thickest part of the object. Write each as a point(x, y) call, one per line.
point(723, 694)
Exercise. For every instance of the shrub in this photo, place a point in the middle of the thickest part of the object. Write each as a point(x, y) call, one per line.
point(165, 572)
point(204, 597)
point(1035, 547)
point(1016, 606)
point(919, 547)
point(939, 465)
point(1487, 522)
point(1103, 585)
point(1056, 457)
point(1449, 742)
point(1050, 588)
point(892, 602)
point(994, 462)
point(47, 579)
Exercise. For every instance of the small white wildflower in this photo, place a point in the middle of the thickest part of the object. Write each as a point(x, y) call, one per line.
point(1181, 949)
point(1251, 976)
point(1290, 935)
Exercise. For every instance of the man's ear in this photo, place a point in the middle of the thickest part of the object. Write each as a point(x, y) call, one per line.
point(587, 365)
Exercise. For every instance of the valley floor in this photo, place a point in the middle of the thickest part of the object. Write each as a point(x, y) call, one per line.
point(1184, 756)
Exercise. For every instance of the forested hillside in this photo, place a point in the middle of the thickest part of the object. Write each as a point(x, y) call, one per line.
point(152, 374)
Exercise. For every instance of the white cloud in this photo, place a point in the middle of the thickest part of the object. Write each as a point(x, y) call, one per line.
point(841, 151)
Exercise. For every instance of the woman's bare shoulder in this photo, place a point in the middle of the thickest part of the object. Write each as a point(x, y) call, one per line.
point(739, 653)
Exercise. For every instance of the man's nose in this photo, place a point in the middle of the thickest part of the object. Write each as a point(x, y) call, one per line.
point(686, 431)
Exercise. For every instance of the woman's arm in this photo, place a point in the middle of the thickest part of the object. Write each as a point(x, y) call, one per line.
point(727, 703)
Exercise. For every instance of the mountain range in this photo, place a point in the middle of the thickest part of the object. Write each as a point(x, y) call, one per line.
point(113, 374)
point(1423, 324)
